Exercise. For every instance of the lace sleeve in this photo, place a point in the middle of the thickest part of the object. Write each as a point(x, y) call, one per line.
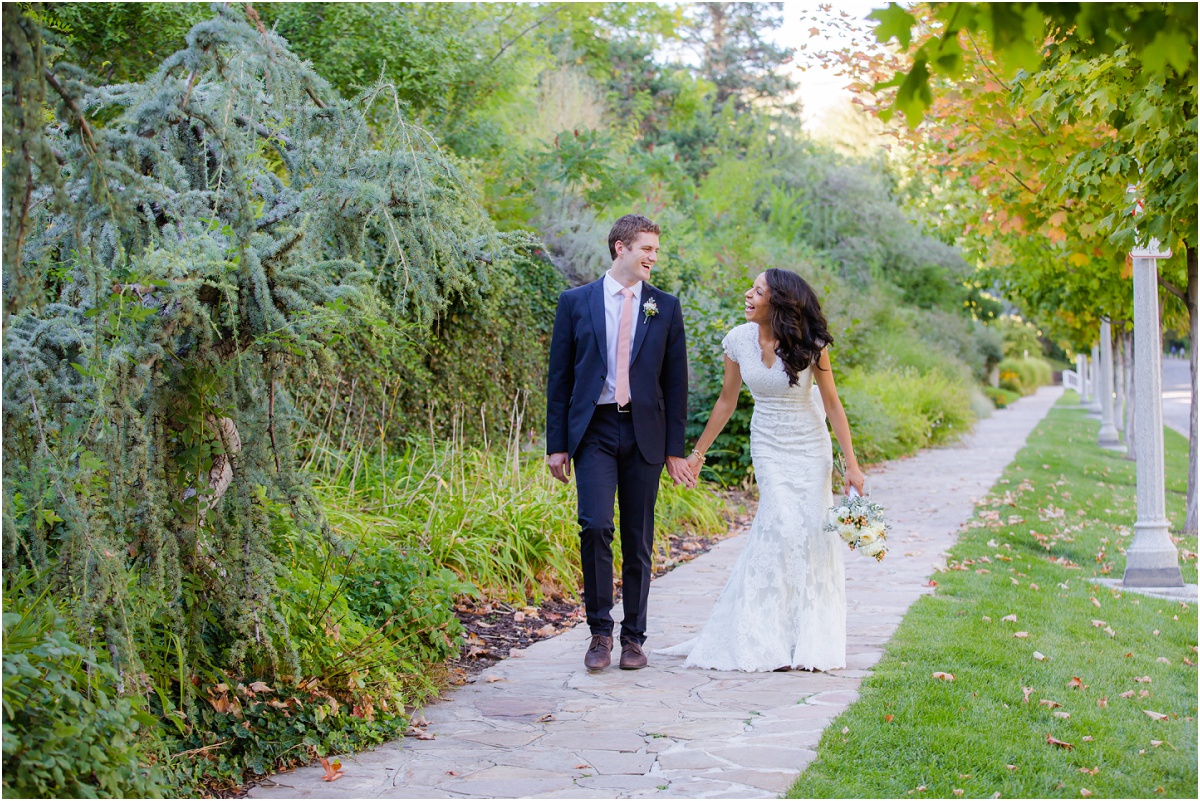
point(729, 344)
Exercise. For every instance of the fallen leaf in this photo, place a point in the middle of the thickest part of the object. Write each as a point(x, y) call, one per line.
point(920, 788)
point(494, 679)
point(260, 687)
point(1039, 656)
point(333, 770)
point(1051, 740)
point(1144, 694)
point(1063, 715)
point(958, 791)
point(1034, 587)
point(1087, 738)
point(1047, 702)
point(547, 718)
point(1164, 660)
point(943, 676)
point(1099, 623)
point(1009, 618)
point(1156, 632)
point(1142, 679)
point(1155, 715)
point(888, 718)
point(987, 619)
point(451, 773)
point(1108, 630)
point(1102, 702)
point(1095, 603)
point(1085, 792)
point(931, 583)
point(845, 730)
point(1090, 771)
point(1156, 743)
point(1028, 691)
point(518, 617)
point(547, 630)
point(1076, 684)
point(1020, 635)
point(582, 767)
point(1129, 693)
point(1011, 767)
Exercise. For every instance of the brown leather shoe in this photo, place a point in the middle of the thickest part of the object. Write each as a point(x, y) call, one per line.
point(598, 655)
point(632, 656)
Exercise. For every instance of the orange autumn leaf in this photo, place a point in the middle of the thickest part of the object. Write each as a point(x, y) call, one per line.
point(1076, 684)
point(943, 676)
point(1051, 740)
point(1047, 702)
point(1155, 715)
point(333, 770)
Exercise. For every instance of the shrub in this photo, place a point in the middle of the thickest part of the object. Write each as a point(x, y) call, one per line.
point(1023, 375)
point(67, 733)
point(1001, 397)
point(895, 412)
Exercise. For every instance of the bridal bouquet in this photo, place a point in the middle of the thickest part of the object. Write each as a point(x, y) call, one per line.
point(860, 524)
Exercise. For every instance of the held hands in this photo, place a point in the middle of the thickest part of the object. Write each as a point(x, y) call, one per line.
point(680, 471)
point(854, 478)
point(694, 464)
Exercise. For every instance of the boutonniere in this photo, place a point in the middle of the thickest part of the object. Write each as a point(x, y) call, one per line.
point(649, 309)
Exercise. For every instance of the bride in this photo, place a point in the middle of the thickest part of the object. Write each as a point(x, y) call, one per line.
point(785, 603)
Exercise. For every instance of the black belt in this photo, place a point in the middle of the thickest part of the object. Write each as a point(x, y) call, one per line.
point(615, 407)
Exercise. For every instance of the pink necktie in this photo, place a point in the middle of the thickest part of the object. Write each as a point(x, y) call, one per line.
point(623, 347)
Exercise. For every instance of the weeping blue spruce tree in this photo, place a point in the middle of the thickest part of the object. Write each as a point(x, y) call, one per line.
point(178, 254)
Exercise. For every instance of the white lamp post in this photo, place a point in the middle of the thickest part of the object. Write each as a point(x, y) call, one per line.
point(1152, 559)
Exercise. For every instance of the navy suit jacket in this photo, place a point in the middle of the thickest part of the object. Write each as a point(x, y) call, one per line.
point(579, 365)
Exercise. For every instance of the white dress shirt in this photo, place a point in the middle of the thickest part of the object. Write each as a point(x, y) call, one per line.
point(612, 314)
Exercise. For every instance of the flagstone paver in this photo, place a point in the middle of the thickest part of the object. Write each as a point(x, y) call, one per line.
point(538, 725)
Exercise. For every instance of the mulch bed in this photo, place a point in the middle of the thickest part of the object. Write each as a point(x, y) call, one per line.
point(494, 630)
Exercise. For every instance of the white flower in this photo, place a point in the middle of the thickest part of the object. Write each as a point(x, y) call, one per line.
point(649, 309)
point(868, 535)
point(843, 512)
point(847, 533)
point(873, 548)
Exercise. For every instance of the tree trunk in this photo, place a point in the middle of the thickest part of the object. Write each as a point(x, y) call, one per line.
point(1130, 399)
point(1119, 370)
point(1189, 526)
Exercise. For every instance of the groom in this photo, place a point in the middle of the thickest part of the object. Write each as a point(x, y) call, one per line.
point(616, 403)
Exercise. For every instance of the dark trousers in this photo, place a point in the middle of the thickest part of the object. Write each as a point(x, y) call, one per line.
point(607, 464)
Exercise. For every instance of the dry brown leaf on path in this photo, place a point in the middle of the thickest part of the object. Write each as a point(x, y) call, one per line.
point(494, 679)
point(943, 676)
point(1052, 740)
point(333, 770)
point(547, 630)
point(1155, 715)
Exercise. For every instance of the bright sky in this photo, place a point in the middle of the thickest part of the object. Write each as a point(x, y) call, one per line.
point(820, 90)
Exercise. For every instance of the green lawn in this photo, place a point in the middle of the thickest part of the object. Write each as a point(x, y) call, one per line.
point(1063, 512)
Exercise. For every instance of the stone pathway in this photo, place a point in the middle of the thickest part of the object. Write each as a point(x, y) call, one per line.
point(537, 725)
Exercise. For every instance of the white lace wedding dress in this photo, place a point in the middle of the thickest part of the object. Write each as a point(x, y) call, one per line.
point(785, 602)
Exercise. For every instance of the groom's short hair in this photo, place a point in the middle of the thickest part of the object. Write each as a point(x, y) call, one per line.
point(626, 230)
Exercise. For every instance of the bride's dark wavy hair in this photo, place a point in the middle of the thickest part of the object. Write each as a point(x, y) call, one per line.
point(797, 322)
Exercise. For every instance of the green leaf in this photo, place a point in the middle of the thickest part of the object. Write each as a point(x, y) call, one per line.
point(894, 21)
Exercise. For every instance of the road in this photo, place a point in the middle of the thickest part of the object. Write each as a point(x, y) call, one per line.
point(1177, 394)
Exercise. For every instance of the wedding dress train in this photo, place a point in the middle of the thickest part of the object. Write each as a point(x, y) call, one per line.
point(785, 602)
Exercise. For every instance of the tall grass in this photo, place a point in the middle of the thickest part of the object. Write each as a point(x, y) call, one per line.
point(490, 513)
